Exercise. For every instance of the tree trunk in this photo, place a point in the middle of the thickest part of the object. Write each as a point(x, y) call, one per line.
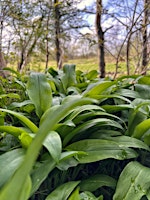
point(144, 54)
point(100, 36)
point(57, 34)
point(2, 60)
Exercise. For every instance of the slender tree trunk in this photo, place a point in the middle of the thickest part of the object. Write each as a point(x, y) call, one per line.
point(57, 34)
point(2, 60)
point(144, 54)
point(100, 36)
point(47, 44)
point(128, 55)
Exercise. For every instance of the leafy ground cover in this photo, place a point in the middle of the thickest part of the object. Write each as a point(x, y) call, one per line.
point(68, 135)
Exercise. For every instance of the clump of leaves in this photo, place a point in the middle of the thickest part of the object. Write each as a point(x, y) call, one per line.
point(84, 127)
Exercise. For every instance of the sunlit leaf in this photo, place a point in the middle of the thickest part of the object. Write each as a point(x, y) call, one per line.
point(53, 145)
point(100, 149)
point(39, 92)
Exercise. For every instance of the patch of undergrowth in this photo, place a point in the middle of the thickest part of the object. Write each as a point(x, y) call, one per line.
point(70, 135)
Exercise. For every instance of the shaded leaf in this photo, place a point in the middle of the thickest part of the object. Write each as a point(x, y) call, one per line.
point(63, 191)
point(94, 182)
point(23, 119)
point(40, 173)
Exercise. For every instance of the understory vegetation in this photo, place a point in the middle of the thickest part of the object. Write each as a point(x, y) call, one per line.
point(68, 135)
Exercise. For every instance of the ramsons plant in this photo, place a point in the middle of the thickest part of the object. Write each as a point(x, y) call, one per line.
point(76, 137)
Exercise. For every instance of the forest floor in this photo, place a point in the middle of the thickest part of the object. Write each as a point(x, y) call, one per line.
point(83, 64)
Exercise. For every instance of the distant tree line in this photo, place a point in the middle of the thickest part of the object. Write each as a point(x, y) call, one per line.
point(62, 29)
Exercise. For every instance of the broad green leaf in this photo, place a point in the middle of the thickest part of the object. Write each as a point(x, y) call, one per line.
point(83, 108)
point(77, 132)
point(67, 159)
point(143, 90)
point(99, 88)
point(24, 194)
point(141, 129)
point(39, 92)
point(53, 145)
point(99, 149)
point(69, 77)
point(111, 96)
point(144, 80)
point(104, 134)
point(135, 181)
point(95, 113)
point(75, 195)
point(128, 93)
point(135, 117)
point(48, 125)
point(23, 119)
point(126, 141)
point(93, 74)
point(40, 173)
point(116, 108)
point(94, 182)
point(63, 191)
point(9, 162)
point(138, 114)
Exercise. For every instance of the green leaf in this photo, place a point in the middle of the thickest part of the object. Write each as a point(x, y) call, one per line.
point(24, 194)
point(9, 162)
point(94, 182)
point(39, 92)
point(135, 181)
point(98, 149)
point(53, 145)
point(126, 141)
point(63, 191)
point(83, 108)
point(67, 159)
point(143, 90)
point(116, 108)
point(40, 173)
point(144, 80)
point(93, 74)
point(77, 132)
point(128, 93)
point(69, 77)
point(98, 88)
point(23, 119)
point(141, 129)
point(47, 125)
point(75, 195)
point(89, 196)
point(135, 117)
